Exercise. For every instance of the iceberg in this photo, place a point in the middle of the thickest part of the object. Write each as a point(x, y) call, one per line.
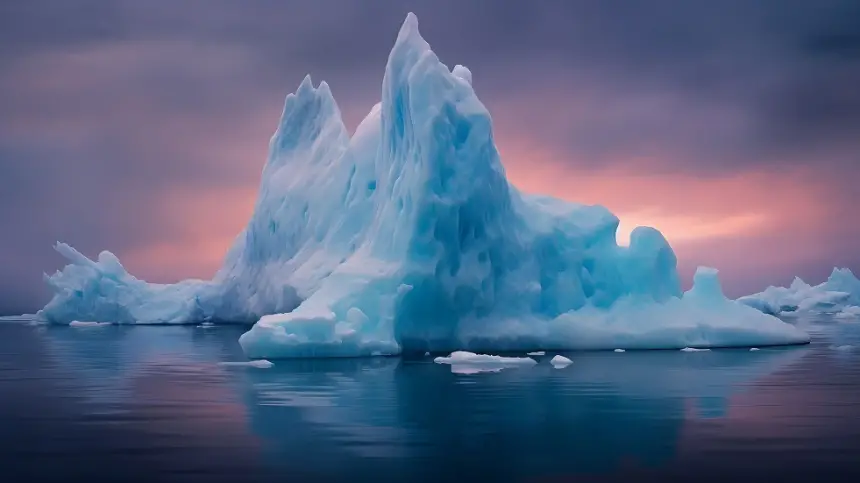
point(408, 237)
point(839, 295)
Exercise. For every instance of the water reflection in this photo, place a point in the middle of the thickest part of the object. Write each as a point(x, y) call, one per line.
point(157, 397)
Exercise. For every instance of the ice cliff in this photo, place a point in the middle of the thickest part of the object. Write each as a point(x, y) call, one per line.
point(407, 236)
point(839, 295)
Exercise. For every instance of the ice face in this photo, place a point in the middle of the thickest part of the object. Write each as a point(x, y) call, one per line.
point(838, 295)
point(407, 236)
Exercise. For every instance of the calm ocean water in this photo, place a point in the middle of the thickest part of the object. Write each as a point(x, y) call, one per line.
point(131, 404)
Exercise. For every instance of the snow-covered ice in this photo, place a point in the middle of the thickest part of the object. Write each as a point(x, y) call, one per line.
point(560, 362)
point(407, 236)
point(753, 349)
point(259, 364)
point(620, 350)
point(838, 295)
point(536, 353)
point(463, 362)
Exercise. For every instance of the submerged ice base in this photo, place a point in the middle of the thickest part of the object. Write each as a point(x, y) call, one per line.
point(407, 236)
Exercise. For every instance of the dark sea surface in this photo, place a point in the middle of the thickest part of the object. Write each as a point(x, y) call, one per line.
point(131, 404)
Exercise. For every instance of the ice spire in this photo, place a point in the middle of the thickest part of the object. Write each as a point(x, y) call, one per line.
point(310, 115)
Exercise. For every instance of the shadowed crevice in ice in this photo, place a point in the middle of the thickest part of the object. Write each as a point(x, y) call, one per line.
point(408, 237)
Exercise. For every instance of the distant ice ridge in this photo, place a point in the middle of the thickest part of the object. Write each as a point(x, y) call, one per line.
point(839, 295)
point(408, 237)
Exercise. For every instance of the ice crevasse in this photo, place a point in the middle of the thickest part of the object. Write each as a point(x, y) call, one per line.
point(407, 236)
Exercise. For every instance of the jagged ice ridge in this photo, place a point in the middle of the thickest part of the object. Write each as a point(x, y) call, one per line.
point(407, 236)
point(839, 295)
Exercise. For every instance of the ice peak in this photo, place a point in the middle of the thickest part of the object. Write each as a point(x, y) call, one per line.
point(306, 86)
point(462, 72)
point(309, 113)
point(842, 273)
point(409, 28)
point(706, 285)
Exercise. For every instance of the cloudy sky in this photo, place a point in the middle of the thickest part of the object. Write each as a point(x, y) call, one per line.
point(142, 127)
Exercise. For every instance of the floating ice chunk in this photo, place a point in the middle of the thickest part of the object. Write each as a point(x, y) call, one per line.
point(25, 318)
point(536, 353)
point(752, 349)
point(258, 363)
point(80, 323)
point(694, 349)
point(619, 350)
point(842, 348)
point(560, 362)
point(426, 354)
point(463, 362)
point(850, 312)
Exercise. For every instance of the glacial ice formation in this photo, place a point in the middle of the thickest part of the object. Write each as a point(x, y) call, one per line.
point(839, 295)
point(407, 236)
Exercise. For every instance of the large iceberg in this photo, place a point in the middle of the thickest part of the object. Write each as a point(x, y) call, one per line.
point(839, 295)
point(407, 236)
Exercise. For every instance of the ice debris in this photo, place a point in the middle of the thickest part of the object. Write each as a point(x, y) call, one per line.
point(258, 363)
point(560, 362)
point(463, 362)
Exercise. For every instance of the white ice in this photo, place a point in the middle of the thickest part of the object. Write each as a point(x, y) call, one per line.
point(536, 353)
point(560, 362)
point(620, 350)
point(408, 237)
point(463, 362)
point(849, 312)
point(839, 295)
point(694, 349)
point(259, 364)
point(81, 323)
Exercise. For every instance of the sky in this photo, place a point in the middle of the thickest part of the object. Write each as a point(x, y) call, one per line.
point(142, 127)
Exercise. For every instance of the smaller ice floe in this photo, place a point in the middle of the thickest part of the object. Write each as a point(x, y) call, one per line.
point(842, 348)
point(426, 354)
point(259, 364)
point(206, 325)
point(619, 350)
point(536, 353)
point(80, 323)
point(693, 349)
point(850, 312)
point(18, 318)
point(463, 362)
point(754, 349)
point(560, 362)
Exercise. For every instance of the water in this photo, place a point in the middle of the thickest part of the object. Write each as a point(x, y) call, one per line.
point(152, 404)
